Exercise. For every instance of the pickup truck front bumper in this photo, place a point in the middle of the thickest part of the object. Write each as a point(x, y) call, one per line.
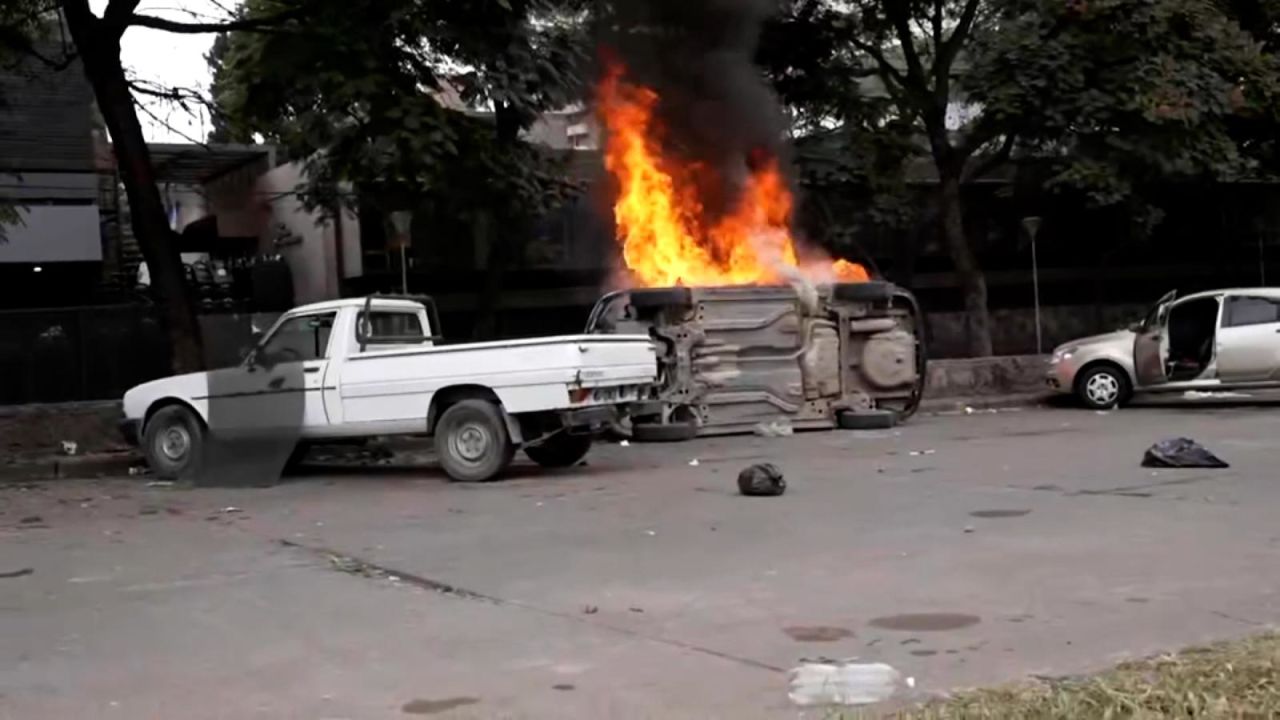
point(131, 431)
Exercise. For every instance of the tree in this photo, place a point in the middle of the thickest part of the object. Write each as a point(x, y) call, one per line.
point(897, 63)
point(1115, 93)
point(1127, 93)
point(96, 42)
point(383, 96)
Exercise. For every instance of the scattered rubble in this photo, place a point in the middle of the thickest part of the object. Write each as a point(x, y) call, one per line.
point(774, 429)
point(69, 447)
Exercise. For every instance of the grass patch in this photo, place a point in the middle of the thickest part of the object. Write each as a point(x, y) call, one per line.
point(1230, 680)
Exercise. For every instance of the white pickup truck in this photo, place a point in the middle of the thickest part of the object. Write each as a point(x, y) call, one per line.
point(364, 367)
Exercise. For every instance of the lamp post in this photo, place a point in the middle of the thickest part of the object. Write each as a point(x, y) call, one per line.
point(1032, 226)
point(402, 222)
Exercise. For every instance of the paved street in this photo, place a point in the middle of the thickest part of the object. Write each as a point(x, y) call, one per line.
point(1023, 542)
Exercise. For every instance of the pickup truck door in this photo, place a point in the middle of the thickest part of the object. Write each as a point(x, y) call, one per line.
point(1248, 343)
point(289, 370)
point(1150, 345)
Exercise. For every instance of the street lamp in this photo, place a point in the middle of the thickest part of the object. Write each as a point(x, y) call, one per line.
point(1032, 226)
point(401, 222)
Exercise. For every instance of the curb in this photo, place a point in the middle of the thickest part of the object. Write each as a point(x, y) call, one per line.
point(71, 468)
point(958, 405)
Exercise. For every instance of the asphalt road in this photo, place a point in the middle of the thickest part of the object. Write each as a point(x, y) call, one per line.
point(641, 586)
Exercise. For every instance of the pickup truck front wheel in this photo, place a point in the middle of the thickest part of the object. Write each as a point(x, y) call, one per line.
point(173, 442)
point(472, 442)
point(561, 450)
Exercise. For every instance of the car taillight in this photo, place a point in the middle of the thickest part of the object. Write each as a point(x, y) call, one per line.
point(579, 395)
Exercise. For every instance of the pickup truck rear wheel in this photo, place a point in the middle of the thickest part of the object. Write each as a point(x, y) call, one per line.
point(560, 450)
point(173, 443)
point(472, 442)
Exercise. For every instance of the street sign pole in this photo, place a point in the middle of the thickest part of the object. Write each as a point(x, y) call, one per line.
point(1032, 226)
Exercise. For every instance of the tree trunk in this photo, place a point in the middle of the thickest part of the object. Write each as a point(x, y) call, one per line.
point(99, 47)
point(972, 283)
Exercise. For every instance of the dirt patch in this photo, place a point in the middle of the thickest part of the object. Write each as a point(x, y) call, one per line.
point(817, 633)
point(992, 514)
point(925, 622)
point(432, 707)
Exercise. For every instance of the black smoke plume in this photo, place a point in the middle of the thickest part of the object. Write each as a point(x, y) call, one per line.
point(717, 112)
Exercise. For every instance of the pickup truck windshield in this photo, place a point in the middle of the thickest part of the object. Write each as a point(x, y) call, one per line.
point(300, 339)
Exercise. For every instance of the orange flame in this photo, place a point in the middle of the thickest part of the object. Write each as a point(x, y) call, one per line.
point(659, 214)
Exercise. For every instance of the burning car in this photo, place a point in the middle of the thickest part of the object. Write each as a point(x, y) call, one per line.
point(752, 326)
point(844, 355)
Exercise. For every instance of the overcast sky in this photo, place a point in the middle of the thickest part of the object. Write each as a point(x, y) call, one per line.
point(171, 59)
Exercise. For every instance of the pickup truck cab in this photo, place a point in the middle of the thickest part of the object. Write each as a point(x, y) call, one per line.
point(356, 368)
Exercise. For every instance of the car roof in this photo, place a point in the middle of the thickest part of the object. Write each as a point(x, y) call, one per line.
point(1267, 292)
point(358, 302)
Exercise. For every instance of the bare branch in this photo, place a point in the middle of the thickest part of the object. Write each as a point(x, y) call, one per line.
point(882, 61)
point(117, 14)
point(990, 163)
point(266, 22)
point(899, 14)
point(948, 51)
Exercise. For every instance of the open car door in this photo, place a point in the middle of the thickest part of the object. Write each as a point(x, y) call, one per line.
point(1150, 346)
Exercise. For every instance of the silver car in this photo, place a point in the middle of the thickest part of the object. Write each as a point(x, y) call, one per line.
point(1216, 340)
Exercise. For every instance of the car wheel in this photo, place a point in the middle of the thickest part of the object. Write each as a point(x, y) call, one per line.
point(173, 442)
point(1103, 387)
point(657, 432)
point(678, 297)
point(472, 442)
point(560, 450)
point(866, 419)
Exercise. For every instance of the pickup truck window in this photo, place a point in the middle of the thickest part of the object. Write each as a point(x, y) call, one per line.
point(395, 324)
point(300, 339)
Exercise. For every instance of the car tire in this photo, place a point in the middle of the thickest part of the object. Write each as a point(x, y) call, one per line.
point(870, 291)
point(173, 442)
point(472, 442)
point(659, 433)
point(297, 457)
point(561, 450)
point(679, 297)
point(1103, 387)
point(866, 419)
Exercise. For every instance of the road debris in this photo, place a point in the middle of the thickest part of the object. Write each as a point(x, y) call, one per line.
point(694, 463)
point(830, 682)
point(1220, 395)
point(774, 429)
point(1181, 453)
point(918, 453)
point(761, 480)
point(625, 443)
point(590, 610)
point(231, 509)
point(159, 483)
point(70, 447)
point(969, 528)
point(137, 470)
point(17, 573)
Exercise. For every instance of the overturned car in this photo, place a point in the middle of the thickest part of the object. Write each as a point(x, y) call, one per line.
point(731, 359)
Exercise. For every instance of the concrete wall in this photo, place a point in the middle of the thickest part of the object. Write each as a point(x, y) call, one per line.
point(308, 243)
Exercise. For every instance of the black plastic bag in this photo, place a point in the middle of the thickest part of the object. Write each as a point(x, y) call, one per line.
point(1181, 453)
point(762, 480)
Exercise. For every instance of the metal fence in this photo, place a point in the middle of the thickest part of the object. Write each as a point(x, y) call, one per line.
point(78, 353)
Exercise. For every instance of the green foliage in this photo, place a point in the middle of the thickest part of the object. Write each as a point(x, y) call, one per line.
point(384, 94)
point(1127, 92)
